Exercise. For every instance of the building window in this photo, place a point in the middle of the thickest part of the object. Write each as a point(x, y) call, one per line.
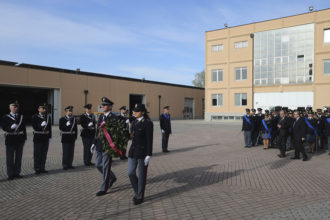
point(240, 99)
point(326, 67)
point(217, 75)
point(326, 38)
point(217, 48)
point(216, 99)
point(241, 44)
point(241, 73)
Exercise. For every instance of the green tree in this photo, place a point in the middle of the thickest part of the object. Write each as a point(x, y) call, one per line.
point(199, 80)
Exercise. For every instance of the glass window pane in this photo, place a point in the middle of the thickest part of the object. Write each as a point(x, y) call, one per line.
point(237, 99)
point(237, 73)
point(326, 66)
point(214, 100)
point(219, 99)
point(244, 99)
point(214, 75)
point(219, 75)
point(244, 73)
point(327, 36)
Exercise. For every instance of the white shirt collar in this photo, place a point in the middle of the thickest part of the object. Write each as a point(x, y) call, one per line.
point(107, 113)
point(68, 117)
point(139, 119)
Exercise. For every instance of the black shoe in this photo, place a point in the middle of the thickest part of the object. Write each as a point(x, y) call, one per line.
point(71, 167)
point(38, 172)
point(166, 151)
point(305, 159)
point(91, 164)
point(18, 176)
point(43, 171)
point(112, 181)
point(123, 158)
point(138, 201)
point(295, 158)
point(10, 178)
point(134, 199)
point(101, 193)
point(65, 168)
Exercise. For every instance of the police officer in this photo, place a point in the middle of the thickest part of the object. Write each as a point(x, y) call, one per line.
point(140, 151)
point(165, 126)
point(321, 121)
point(125, 121)
point(88, 123)
point(247, 127)
point(103, 160)
point(260, 117)
point(15, 136)
point(42, 126)
point(283, 126)
point(68, 127)
point(327, 128)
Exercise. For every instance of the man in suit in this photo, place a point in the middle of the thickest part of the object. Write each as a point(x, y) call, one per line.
point(15, 136)
point(165, 126)
point(283, 127)
point(299, 131)
point(247, 127)
point(68, 128)
point(103, 160)
point(125, 120)
point(88, 123)
point(42, 126)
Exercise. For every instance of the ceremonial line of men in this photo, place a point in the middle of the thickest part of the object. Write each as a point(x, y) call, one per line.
point(139, 125)
point(288, 130)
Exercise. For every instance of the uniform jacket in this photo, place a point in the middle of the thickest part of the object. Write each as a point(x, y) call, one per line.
point(327, 127)
point(285, 125)
point(41, 134)
point(321, 122)
point(299, 129)
point(245, 125)
point(142, 139)
point(269, 125)
point(14, 136)
point(88, 132)
point(98, 143)
point(72, 130)
point(165, 124)
point(313, 122)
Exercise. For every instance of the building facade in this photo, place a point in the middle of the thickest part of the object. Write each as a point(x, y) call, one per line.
point(279, 62)
point(32, 84)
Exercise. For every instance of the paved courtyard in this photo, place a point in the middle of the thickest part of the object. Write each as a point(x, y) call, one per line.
point(207, 175)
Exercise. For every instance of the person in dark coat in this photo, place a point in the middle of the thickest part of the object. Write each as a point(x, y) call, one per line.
point(289, 142)
point(247, 127)
point(327, 129)
point(68, 128)
point(166, 129)
point(311, 131)
point(15, 136)
point(42, 126)
point(321, 120)
point(88, 123)
point(255, 130)
point(274, 137)
point(260, 116)
point(140, 151)
point(299, 131)
point(125, 120)
point(283, 128)
point(266, 129)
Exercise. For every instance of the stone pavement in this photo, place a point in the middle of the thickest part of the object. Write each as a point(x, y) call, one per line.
point(207, 175)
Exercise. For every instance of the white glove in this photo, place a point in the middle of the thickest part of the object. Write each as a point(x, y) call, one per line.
point(13, 126)
point(127, 121)
point(146, 160)
point(163, 131)
point(90, 124)
point(93, 148)
point(43, 124)
point(68, 123)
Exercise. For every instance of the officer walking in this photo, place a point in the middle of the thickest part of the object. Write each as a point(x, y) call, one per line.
point(103, 160)
point(42, 126)
point(68, 127)
point(124, 119)
point(140, 151)
point(88, 122)
point(165, 126)
point(15, 136)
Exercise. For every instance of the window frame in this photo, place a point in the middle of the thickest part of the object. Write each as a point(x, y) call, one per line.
point(241, 44)
point(326, 61)
point(241, 73)
point(241, 99)
point(327, 30)
point(217, 99)
point(217, 48)
point(217, 71)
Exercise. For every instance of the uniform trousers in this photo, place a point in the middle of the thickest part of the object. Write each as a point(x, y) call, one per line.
point(68, 154)
point(247, 138)
point(136, 181)
point(87, 143)
point(14, 154)
point(165, 137)
point(103, 163)
point(40, 150)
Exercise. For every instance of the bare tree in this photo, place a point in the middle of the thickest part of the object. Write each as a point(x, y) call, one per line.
point(199, 80)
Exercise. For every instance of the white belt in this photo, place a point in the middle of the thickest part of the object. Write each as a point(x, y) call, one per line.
point(40, 132)
point(14, 133)
point(68, 132)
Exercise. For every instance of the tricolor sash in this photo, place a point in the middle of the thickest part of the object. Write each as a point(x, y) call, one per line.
point(266, 127)
point(309, 125)
point(248, 120)
point(166, 116)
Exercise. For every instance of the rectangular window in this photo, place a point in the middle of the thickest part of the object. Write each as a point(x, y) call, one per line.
point(326, 67)
point(241, 73)
point(241, 44)
point(240, 99)
point(216, 99)
point(326, 38)
point(217, 48)
point(217, 75)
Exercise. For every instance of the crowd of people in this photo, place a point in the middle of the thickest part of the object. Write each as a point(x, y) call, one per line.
point(139, 131)
point(288, 129)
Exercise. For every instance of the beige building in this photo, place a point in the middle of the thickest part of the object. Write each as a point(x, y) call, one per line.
point(280, 62)
point(32, 84)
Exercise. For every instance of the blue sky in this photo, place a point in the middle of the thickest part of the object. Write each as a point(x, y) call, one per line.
point(157, 40)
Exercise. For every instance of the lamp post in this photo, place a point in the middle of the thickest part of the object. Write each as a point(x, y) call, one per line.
point(159, 97)
point(252, 37)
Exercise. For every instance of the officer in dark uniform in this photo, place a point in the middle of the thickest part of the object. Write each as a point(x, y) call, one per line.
point(327, 128)
point(255, 130)
point(68, 127)
point(165, 126)
point(260, 117)
point(123, 117)
point(42, 126)
point(274, 135)
point(15, 136)
point(102, 159)
point(88, 122)
point(299, 130)
point(312, 128)
point(321, 121)
point(247, 127)
point(140, 151)
point(283, 126)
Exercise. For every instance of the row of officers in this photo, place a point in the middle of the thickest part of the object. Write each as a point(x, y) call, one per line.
point(140, 130)
point(287, 129)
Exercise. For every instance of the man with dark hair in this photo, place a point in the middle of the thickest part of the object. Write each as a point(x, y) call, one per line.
point(299, 136)
point(165, 126)
point(88, 123)
point(283, 127)
point(247, 127)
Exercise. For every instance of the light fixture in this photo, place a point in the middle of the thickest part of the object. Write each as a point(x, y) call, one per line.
point(311, 8)
point(226, 25)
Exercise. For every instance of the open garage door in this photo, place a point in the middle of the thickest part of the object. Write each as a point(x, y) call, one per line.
point(28, 98)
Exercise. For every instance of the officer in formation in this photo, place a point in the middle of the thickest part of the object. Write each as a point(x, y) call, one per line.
point(140, 151)
point(15, 136)
point(125, 120)
point(103, 160)
point(42, 126)
point(165, 126)
point(247, 128)
point(88, 124)
point(327, 129)
point(68, 128)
